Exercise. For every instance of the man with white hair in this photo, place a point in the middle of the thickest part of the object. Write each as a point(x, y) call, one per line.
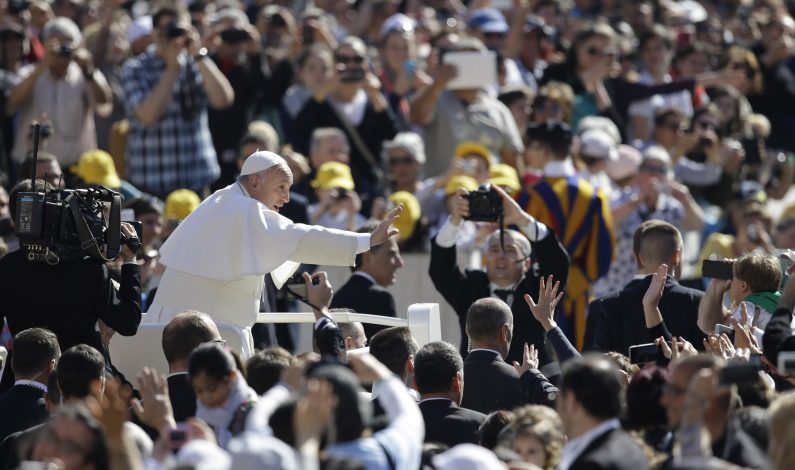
point(216, 258)
point(67, 87)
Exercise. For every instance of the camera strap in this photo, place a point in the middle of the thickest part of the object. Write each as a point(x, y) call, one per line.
point(87, 240)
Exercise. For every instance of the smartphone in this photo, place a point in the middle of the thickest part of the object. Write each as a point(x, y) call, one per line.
point(644, 353)
point(723, 329)
point(752, 148)
point(738, 373)
point(755, 360)
point(341, 193)
point(786, 363)
point(127, 215)
point(179, 436)
point(663, 188)
point(234, 36)
point(308, 35)
point(716, 269)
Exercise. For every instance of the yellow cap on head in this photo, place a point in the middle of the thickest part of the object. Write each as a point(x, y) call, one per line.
point(180, 203)
point(474, 148)
point(505, 176)
point(460, 182)
point(333, 175)
point(409, 216)
point(97, 167)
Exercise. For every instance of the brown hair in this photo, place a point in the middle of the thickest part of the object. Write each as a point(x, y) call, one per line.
point(657, 240)
point(544, 424)
point(762, 272)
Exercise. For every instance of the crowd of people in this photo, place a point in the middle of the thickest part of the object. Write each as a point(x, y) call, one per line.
point(600, 190)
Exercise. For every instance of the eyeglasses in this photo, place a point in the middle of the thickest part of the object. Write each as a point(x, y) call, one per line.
point(345, 59)
point(402, 160)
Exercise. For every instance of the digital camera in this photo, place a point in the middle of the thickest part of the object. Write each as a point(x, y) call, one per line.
point(485, 205)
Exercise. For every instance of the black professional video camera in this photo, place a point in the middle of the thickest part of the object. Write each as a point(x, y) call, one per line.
point(485, 205)
point(62, 224)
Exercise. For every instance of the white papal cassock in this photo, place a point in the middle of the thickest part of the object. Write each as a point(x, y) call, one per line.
point(217, 257)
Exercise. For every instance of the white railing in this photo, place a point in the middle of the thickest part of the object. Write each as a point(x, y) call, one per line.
point(131, 354)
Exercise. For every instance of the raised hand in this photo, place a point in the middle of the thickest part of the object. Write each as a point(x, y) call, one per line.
point(529, 360)
point(548, 298)
point(155, 411)
point(368, 368)
point(514, 215)
point(460, 209)
point(383, 231)
point(654, 293)
point(314, 411)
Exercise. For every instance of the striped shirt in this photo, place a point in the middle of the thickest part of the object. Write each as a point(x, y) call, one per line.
point(177, 152)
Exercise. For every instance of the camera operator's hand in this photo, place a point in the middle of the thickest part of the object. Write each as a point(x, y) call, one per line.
point(172, 51)
point(127, 255)
point(460, 209)
point(84, 60)
point(514, 215)
point(319, 294)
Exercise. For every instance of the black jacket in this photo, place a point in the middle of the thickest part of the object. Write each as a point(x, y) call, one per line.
point(461, 290)
point(21, 407)
point(182, 396)
point(619, 321)
point(449, 424)
point(778, 335)
point(69, 298)
point(494, 385)
point(362, 296)
point(613, 450)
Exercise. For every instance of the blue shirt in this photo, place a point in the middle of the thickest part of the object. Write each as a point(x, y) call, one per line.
point(176, 152)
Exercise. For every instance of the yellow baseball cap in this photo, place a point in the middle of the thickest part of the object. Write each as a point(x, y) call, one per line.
point(505, 176)
point(333, 175)
point(460, 182)
point(473, 148)
point(410, 214)
point(97, 167)
point(180, 203)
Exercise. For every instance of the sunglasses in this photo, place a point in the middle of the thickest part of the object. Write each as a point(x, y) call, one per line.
point(344, 59)
point(594, 51)
point(656, 169)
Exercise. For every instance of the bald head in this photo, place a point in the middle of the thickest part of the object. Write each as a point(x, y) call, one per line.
point(353, 332)
point(183, 334)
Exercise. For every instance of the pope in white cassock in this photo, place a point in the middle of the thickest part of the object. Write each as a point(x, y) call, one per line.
point(217, 257)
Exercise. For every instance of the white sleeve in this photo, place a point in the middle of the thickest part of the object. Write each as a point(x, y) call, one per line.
point(535, 230)
point(362, 243)
point(447, 234)
point(405, 434)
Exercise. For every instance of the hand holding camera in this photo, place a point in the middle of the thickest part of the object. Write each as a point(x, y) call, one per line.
point(318, 289)
point(82, 58)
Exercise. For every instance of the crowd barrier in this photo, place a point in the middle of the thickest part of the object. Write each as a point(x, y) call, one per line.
point(131, 354)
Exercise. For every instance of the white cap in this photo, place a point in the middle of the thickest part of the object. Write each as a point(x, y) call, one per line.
point(629, 159)
point(596, 143)
point(467, 457)
point(398, 22)
point(139, 28)
point(261, 161)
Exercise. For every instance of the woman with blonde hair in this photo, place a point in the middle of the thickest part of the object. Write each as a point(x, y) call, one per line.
point(537, 436)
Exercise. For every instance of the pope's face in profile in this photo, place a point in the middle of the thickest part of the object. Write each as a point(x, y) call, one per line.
point(272, 187)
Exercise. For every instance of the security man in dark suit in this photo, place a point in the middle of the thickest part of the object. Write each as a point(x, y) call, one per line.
point(22, 406)
point(71, 296)
point(439, 375)
point(618, 319)
point(365, 291)
point(589, 405)
point(514, 264)
point(503, 386)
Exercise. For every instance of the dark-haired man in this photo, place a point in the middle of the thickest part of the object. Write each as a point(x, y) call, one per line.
point(439, 376)
point(589, 405)
point(167, 93)
point(36, 352)
point(618, 319)
point(396, 348)
point(181, 336)
point(365, 291)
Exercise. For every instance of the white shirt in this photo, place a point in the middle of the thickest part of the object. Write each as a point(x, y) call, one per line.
point(559, 168)
point(576, 446)
point(447, 234)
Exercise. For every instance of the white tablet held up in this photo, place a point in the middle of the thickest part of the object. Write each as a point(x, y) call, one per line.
point(475, 69)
